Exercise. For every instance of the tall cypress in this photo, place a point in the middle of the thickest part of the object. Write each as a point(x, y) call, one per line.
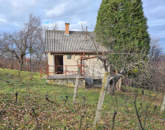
point(122, 27)
point(138, 27)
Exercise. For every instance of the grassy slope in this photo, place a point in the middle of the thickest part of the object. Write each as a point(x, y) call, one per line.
point(58, 114)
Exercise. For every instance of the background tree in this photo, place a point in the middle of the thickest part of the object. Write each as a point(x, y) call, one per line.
point(26, 42)
point(16, 44)
point(35, 38)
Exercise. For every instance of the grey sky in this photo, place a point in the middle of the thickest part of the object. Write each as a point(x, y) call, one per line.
point(13, 14)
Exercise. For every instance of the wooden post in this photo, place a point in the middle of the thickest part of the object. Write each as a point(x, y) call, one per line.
point(76, 86)
point(163, 104)
point(101, 99)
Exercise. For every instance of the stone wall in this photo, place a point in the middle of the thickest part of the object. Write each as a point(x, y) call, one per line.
point(67, 82)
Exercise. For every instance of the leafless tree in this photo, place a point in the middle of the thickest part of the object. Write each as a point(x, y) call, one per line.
point(126, 67)
point(156, 70)
point(149, 77)
point(25, 42)
point(35, 38)
point(16, 44)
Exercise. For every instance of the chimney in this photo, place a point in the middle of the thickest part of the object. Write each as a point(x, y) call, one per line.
point(67, 28)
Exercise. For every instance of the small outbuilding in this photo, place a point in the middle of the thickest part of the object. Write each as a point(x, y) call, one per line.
point(72, 53)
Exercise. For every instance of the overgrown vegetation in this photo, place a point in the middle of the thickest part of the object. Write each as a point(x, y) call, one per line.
point(41, 105)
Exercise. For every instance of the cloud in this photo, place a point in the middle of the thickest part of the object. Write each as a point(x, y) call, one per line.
point(156, 22)
point(60, 25)
point(22, 3)
point(154, 11)
point(53, 11)
point(76, 12)
point(57, 10)
point(54, 25)
point(3, 21)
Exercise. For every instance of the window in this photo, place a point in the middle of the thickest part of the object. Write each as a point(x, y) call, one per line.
point(69, 56)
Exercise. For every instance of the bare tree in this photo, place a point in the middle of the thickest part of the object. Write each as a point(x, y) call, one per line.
point(16, 44)
point(35, 39)
point(157, 77)
point(111, 79)
point(25, 42)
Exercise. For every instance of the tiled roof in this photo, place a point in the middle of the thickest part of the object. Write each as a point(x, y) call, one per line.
point(76, 41)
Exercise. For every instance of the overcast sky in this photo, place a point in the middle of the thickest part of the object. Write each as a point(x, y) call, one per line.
point(13, 14)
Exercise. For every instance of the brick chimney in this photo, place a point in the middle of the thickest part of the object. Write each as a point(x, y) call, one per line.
point(67, 28)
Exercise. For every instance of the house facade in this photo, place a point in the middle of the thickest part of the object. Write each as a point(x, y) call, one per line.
point(71, 53)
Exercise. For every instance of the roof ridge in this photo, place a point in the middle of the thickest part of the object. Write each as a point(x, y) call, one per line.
point(69, 31)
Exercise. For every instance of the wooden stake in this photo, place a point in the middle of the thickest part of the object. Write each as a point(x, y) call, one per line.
point(101, 99)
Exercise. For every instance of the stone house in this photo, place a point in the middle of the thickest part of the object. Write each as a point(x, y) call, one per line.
point(71, 53)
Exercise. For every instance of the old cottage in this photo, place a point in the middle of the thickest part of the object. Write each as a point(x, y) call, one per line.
point(71, 53)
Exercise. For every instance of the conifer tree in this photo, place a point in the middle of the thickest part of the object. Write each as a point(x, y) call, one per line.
point(122, 27)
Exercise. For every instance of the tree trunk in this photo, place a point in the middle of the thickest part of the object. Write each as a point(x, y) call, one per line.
point(118, 84)
point(12, 64)
point(163, 104)
point(19, 71)
point(30, 64)
point(21, 66)
point(101, 99)
point(30, 61)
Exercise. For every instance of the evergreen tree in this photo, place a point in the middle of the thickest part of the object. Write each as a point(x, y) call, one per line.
point(122, 27)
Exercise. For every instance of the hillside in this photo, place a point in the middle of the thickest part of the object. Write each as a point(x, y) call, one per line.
point(31, 103)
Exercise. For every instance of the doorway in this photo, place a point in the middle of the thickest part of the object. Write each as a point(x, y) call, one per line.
point(58, 64)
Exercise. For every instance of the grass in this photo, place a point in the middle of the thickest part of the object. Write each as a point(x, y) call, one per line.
point(33, 111)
